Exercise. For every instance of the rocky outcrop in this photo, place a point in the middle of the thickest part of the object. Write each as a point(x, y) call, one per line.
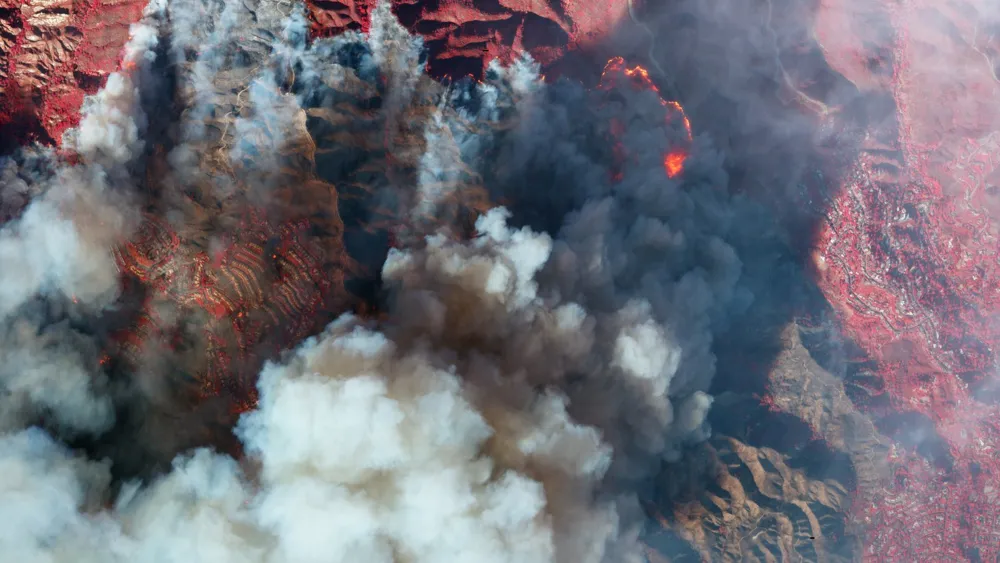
point(797, 385)
point(905, 250)
point(739, 499)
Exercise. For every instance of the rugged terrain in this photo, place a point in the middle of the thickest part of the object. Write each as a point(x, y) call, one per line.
point(55, 52)
point(920, 297)
point(899, 234)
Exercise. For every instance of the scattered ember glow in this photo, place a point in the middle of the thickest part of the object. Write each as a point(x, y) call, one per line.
point(615, 75)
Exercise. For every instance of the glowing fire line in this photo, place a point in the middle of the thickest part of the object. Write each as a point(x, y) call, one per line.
point(673, 161)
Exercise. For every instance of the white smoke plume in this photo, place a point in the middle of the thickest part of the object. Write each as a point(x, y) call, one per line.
point(51, 371)
point(60, 247)
point(519, 385)
point(396, 52)
point(423, 443)
point(61, 243)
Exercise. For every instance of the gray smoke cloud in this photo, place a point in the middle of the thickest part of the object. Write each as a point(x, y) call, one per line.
point(522, 381)
point(646, 255)
point(60, 248)
point(642, 251)
point(60, 244)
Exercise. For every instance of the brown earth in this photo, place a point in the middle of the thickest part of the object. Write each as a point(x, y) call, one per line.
point(937, 150)
point(53, 52)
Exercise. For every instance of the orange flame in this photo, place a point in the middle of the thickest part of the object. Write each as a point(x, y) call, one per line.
point(687, 122)
point(673, 161)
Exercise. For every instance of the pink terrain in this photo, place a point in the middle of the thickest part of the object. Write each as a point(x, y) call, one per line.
point(53, 52)
point(907, 255)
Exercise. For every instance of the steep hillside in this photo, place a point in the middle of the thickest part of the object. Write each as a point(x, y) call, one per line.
point(894, 205)
point(54, 52)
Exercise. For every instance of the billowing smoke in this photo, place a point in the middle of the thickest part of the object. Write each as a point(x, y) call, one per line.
point(523, 376)
point(60, 248)
point(60, 245)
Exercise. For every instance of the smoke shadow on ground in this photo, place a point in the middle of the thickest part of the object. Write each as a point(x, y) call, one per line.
point(794, 158)
point(725, 68)
point(22, 123)
point(774, 158)
point(775, 250)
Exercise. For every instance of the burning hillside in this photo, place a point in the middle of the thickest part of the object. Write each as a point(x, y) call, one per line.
point(285, 279)
point(55, 53)
point(223, 199)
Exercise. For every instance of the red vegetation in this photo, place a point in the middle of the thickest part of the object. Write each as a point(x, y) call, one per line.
point(464, 35)
point(51, 55)
point(908, 255)
point(54, 53)
point(260, 292)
